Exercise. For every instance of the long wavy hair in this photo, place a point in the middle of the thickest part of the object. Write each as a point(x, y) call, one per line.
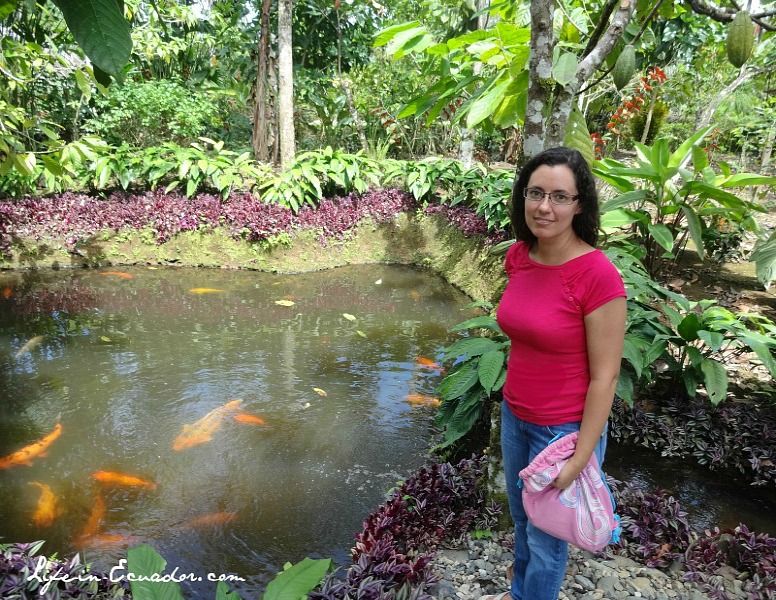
point(587, 222)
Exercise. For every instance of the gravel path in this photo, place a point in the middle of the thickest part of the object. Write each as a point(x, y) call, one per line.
point(478, 567)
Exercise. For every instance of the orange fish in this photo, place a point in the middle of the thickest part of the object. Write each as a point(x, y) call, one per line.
point(420, 400)
point(46, 510)
point(246, 418)
point(94, 521)
point(426, 362)
point(7, 292)
point(204, 290)
point(202, 431)
point(117, 274)
point(211, 520)
point(121, 480)
point(106, 540)
point(29, 345)
point(26, 454)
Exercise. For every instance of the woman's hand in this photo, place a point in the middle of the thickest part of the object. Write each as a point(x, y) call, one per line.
point(569, 473)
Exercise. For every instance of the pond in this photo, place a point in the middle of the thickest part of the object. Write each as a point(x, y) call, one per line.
point(141, 368)
point(130, 380)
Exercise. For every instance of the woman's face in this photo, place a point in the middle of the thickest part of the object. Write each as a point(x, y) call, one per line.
point(545, 219)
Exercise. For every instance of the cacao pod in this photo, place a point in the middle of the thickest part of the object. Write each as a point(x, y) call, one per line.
point(740, 39)
point(624, 67)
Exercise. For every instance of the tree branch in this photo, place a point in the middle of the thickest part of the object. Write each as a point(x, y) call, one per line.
point(725, 15)
point(599, 30)
point(605, 45)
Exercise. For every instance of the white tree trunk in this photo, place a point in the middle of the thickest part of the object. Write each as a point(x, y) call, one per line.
point(285, 83)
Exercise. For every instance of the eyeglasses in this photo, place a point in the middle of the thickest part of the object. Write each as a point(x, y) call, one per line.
point(560, 198)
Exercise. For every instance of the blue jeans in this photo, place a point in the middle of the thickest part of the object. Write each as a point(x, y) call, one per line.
point(540, 559)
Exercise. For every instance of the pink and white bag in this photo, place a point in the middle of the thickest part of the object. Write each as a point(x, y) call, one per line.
point(583, 513)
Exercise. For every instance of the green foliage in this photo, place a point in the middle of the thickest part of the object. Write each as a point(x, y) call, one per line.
point(149, 582)
point(101, 30)
point(692, 341)
point(764, 256)
point(479, 369)
point(315, 175)
point(150, 113)
point(664, 203)
point(656, 116)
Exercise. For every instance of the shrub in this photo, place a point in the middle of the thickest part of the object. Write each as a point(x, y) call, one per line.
point(149, 113)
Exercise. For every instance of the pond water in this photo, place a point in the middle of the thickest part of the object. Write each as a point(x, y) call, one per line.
point(323, 363)
point(130, 357)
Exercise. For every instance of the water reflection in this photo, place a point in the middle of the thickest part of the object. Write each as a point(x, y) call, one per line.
point(126, 362)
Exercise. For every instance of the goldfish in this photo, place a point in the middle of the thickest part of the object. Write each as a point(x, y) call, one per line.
point(204, 290)
point(210, 520)
point(122, 480)
point(420, 400)
point(104, 540)
point(202, 431)
point(426, 362)
point(7, 292)
point(246, 418)
point(95, 518)
point(26, 454)
point(29, 345)
point(46, 510)
point(117, 274)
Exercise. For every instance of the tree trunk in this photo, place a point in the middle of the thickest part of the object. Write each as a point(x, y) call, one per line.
point(263, 137)
point(549, 103)
point(768, 149)
point(285, 83)
point(466, 148)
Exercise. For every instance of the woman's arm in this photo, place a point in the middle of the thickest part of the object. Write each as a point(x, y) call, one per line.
point(605, 333)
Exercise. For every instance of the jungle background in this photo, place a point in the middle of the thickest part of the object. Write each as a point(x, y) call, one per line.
point(249, 116)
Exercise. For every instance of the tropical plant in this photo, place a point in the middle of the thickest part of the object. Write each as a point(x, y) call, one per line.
point(150, 113)
point(665, 204)
point(478, 370)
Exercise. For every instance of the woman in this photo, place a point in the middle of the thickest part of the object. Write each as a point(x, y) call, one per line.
point(564, 311)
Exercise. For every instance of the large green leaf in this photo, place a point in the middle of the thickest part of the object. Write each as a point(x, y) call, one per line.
point(695, 228)
point(565, 69)
point(662, 235)
point(489, 369)
point(484, 106)
point(764, 257)
point(144, 563)
point(470, 346)
point(715, 379)
point(458, 382)
point(298, 580)
point(101, 30)
point(481, 322)
point(577, 136)
point(684, 152)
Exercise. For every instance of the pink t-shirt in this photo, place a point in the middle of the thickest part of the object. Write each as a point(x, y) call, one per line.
point(542, 311)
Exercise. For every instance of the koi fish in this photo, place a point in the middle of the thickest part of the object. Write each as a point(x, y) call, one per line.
point(26, 454)
point(46, 510)
point(92, 526)
point(106, 540)
point(202, 431)
point(211, 520)
point(420, 400)
point(29, 345)
point(204, 290)
point(121, 480)
point(116, 274)
point(7, 292)
point(427, 362)
point(246, 418)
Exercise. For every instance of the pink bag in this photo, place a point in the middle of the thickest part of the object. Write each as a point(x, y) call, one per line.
point(583, 513)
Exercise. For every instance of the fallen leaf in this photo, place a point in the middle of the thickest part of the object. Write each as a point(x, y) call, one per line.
point(361, 333)
point(378, 282)
point(349, 317)
point(676, 283)
point(285, 302)
point(320, 392)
